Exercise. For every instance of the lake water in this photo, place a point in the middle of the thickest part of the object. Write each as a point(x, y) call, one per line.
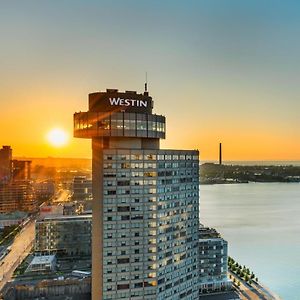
point(261, 222)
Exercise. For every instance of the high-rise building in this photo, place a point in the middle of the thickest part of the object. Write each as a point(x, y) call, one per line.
point(17, 196)
point(5, 163)
point(21, 169)
point(16, 189)
point(145, 202)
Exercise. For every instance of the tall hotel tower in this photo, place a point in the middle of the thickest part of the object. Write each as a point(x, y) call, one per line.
point(145, 202)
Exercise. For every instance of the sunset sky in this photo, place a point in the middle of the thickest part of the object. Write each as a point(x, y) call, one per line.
point(219, 70)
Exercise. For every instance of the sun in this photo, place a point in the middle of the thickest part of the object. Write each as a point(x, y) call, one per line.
point(57, 137)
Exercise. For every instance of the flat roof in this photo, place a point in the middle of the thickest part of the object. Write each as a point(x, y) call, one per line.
point(44, 259)
point(66, 217)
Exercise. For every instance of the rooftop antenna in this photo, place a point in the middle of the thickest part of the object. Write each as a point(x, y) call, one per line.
point(146, 83)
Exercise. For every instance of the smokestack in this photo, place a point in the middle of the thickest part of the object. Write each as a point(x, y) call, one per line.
point(220, 154)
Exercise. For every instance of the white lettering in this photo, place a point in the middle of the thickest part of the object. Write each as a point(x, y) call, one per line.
point(114, 101)
point(127, 102)
point(143, 103)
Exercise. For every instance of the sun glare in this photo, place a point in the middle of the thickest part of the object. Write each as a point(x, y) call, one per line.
point(57, 137)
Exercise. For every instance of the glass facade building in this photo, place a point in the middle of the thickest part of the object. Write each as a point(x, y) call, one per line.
point(64, 235)
point(145, 202)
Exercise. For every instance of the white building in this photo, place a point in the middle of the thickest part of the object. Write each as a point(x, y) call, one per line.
point(42, 264)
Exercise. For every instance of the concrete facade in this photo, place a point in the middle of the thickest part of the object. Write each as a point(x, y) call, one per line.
point(145, 202)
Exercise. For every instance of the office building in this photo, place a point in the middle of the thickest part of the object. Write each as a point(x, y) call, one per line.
point(16, 189)
point(21, 169)
point(44, 190)
point(82, 188)
point(63, 235)
point(5, 163)
point(213, 256)
point(145, 202)
point(17, 196)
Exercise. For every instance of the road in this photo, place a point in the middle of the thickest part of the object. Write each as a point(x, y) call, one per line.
point(22, 245)
point(61, 196)
point(19, 250)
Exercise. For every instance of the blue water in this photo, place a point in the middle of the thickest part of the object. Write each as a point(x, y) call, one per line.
point(261, 222)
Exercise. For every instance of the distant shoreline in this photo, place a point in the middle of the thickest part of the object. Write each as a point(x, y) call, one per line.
point(226, 162)
point(249, 182)
point(211, 173)
point(256, 162)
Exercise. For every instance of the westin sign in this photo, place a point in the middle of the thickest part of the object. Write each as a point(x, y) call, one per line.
point(127, 102)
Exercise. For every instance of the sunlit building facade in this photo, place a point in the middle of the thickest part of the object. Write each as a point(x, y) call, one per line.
point(145, 202)
point(5, 164)
point(82, 188)
point(17, 196)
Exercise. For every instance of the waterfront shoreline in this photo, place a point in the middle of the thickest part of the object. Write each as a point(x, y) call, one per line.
point(261, 224)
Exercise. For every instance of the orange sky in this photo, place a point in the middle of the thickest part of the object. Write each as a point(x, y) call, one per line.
point(218, 74)
point(26, 126)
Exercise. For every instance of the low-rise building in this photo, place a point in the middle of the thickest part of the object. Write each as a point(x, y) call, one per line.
point(44, 263)
point(64, 235)
point(51, 210)
point(13, 218)
point(213, 256)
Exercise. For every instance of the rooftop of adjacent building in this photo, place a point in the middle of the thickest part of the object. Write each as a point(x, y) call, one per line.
point(6, 147)
point(208, 233)
point(65, 217)
point(13, 215)
point(43, 259)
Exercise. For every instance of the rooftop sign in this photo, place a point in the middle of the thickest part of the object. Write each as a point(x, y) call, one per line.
point(114, 101)
point(127, 102)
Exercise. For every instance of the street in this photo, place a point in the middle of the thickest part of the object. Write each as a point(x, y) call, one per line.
point(19, 250)
point(254, 291)
point(61, 196)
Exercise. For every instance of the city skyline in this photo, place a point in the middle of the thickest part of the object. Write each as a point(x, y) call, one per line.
point(230, 70)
